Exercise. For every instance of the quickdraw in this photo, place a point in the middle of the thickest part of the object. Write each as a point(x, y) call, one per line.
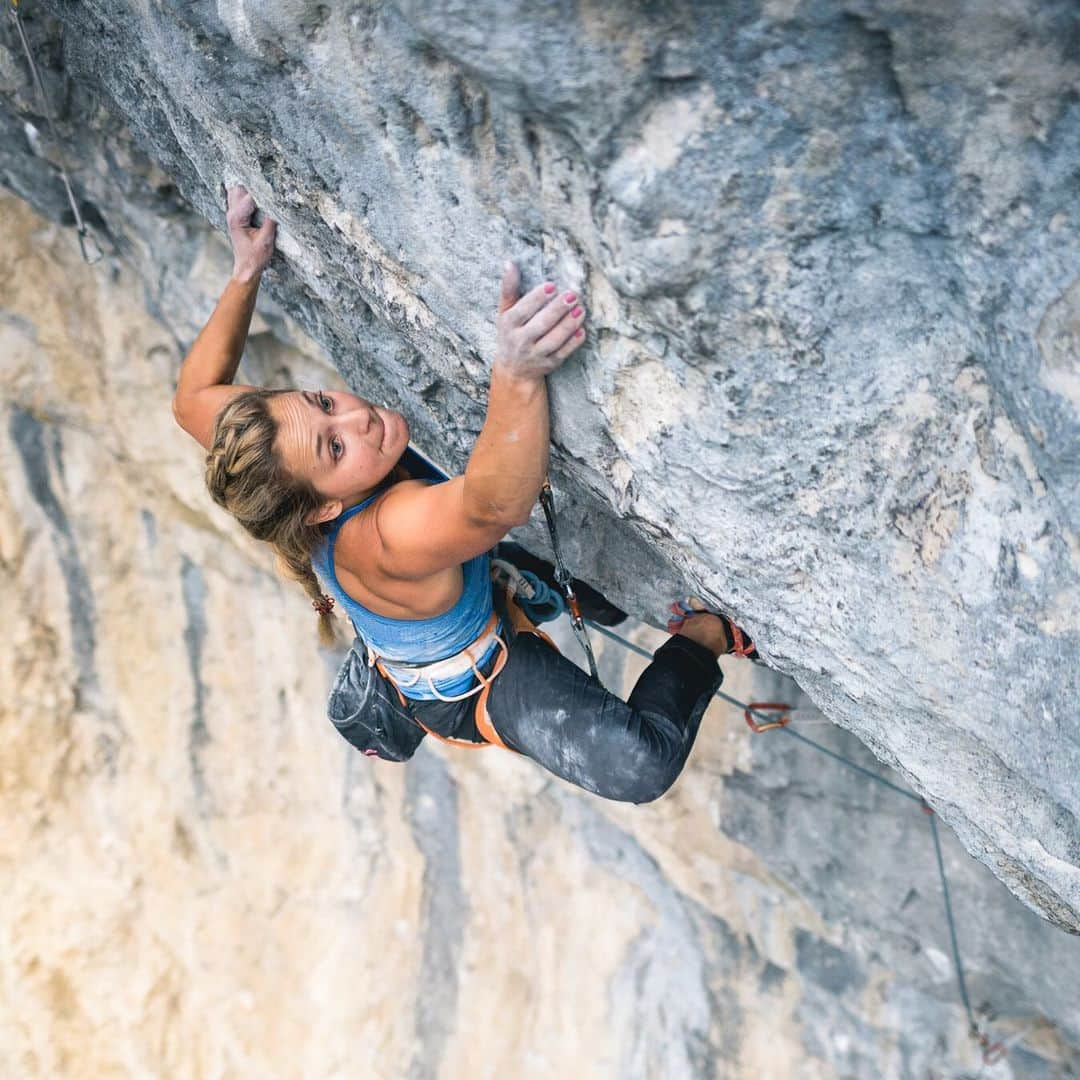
point(79, 223)
point(992, 1052)
point(767, 725)
point(563, 577)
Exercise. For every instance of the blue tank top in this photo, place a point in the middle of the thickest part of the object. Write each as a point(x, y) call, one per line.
point(416, 640)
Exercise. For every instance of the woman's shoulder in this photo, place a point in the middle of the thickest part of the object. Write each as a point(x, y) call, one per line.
point(359, 566)
point(417, 531)
point(358, 547)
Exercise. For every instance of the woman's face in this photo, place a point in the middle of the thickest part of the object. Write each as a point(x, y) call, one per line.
point(340, 442)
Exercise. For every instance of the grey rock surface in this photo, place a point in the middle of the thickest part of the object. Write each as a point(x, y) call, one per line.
point(863, 856)
point(829, 252)
point(876, 981)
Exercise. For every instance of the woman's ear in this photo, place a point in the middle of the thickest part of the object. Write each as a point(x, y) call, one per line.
point(327, 512)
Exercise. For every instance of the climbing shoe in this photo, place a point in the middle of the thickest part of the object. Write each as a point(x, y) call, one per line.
point(739, 644)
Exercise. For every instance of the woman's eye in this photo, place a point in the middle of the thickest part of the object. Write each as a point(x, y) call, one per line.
point(337, 453)
point(323, 398)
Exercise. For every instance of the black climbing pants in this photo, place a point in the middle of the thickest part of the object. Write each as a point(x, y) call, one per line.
point(548, 709)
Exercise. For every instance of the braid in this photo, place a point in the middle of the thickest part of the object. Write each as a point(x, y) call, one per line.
point(301, 571)
point(244, 474)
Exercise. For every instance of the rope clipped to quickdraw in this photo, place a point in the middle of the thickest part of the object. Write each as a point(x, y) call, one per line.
point(756, 726)
point(991, 1051)
point(759, 720)
point(80, 224)
point(562, 576)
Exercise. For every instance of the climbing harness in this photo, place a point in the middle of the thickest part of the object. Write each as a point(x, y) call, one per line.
point(759, 720)
point(562, 576)
point(80, 224)
point(408, 674)
point(514, 582)
point(458, 664)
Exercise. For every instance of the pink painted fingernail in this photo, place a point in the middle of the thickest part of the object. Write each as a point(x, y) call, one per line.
point(549, 288)
point(579, 333)
point(570, 297)
point(575, 313)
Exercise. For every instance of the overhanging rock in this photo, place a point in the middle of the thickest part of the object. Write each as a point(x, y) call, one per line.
point(830, 257)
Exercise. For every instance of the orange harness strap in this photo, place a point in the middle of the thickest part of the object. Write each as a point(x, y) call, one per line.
point(522, 625)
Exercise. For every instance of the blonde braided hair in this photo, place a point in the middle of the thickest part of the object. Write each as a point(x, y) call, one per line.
point(245, 474)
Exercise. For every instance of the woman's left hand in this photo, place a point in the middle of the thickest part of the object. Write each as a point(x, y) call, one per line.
point(253, 247)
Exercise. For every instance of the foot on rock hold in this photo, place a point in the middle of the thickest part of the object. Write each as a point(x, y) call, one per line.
point(701, 623)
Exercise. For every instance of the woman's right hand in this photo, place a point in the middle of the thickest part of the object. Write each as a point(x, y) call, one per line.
point(537, 331)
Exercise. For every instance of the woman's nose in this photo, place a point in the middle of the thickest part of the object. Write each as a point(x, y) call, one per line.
point(363, 416)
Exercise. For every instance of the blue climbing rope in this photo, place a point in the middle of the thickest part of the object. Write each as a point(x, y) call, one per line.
point(854, 765)
point(768, 719)
point(991, 1051)
point(952, 925)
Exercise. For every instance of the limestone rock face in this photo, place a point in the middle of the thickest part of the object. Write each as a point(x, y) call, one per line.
point(830, 257)
point(200, 877)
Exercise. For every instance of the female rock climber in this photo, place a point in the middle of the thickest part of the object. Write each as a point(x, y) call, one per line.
point(328, 480)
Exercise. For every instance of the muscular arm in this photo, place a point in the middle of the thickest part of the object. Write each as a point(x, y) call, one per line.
point(536, 333)
point(509, 461)
point(204, 385)
point(420, 530)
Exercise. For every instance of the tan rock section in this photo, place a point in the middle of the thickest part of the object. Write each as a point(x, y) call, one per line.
point(201, 879)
